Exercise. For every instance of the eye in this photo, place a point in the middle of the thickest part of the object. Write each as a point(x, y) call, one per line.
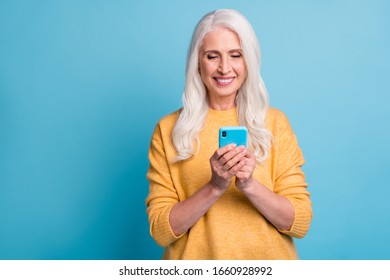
point(212, 56)
point(236, 55)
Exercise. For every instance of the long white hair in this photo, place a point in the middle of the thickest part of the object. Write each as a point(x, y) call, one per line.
point(252, 98)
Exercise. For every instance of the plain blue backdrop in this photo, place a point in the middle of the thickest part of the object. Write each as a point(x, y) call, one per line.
point(82, 84)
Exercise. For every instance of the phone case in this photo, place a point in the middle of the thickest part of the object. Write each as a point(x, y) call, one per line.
point(233, 134)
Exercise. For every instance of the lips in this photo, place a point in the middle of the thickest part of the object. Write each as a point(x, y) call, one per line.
point(224, 81)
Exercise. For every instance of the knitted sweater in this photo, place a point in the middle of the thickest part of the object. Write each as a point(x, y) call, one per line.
point(232, 228)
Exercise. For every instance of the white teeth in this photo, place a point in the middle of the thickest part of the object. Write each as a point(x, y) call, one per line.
point(224, 81)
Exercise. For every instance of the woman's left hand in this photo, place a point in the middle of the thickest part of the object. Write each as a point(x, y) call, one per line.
point(276, 208)
point(244, 175)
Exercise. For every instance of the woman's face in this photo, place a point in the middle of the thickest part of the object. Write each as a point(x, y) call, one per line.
point(221, 65)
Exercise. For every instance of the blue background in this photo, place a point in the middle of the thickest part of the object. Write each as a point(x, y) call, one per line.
point(82, 84)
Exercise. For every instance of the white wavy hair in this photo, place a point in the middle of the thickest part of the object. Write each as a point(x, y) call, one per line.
point(251, 100)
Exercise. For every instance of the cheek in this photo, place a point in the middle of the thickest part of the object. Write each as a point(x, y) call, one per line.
point(244, 73)
point(203, 74)
point(206, 70)
point(241, 69)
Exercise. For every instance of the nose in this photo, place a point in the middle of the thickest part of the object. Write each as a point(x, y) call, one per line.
point(224, 66)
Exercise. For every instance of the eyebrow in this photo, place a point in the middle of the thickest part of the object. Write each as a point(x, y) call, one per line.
point(216, 51)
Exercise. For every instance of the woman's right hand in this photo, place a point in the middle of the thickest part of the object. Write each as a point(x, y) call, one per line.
point(225, 163)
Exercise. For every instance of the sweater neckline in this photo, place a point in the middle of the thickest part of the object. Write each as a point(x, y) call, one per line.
point(230, 114)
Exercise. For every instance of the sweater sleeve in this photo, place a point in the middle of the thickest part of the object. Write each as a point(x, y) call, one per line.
point(162, 194)
point(290, 180)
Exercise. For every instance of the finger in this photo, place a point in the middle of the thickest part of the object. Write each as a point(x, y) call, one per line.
point(243, 171)
point(247, 169)
point(251, 159)
point(231, 154)
point(236, 168)
point(243, 176)
point(221, 151)
point(239, 157)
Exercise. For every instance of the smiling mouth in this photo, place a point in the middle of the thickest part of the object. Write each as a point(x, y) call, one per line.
point(224, 81)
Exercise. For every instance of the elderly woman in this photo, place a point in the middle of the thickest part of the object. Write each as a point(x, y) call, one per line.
point(232, 202)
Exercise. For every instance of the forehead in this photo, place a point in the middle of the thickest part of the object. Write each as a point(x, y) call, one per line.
point(221, 38)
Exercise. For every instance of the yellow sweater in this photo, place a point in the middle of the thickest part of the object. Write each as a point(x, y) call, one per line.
point(233, 228)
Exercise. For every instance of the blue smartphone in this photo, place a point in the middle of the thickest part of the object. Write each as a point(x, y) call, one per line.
point(233, 135)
